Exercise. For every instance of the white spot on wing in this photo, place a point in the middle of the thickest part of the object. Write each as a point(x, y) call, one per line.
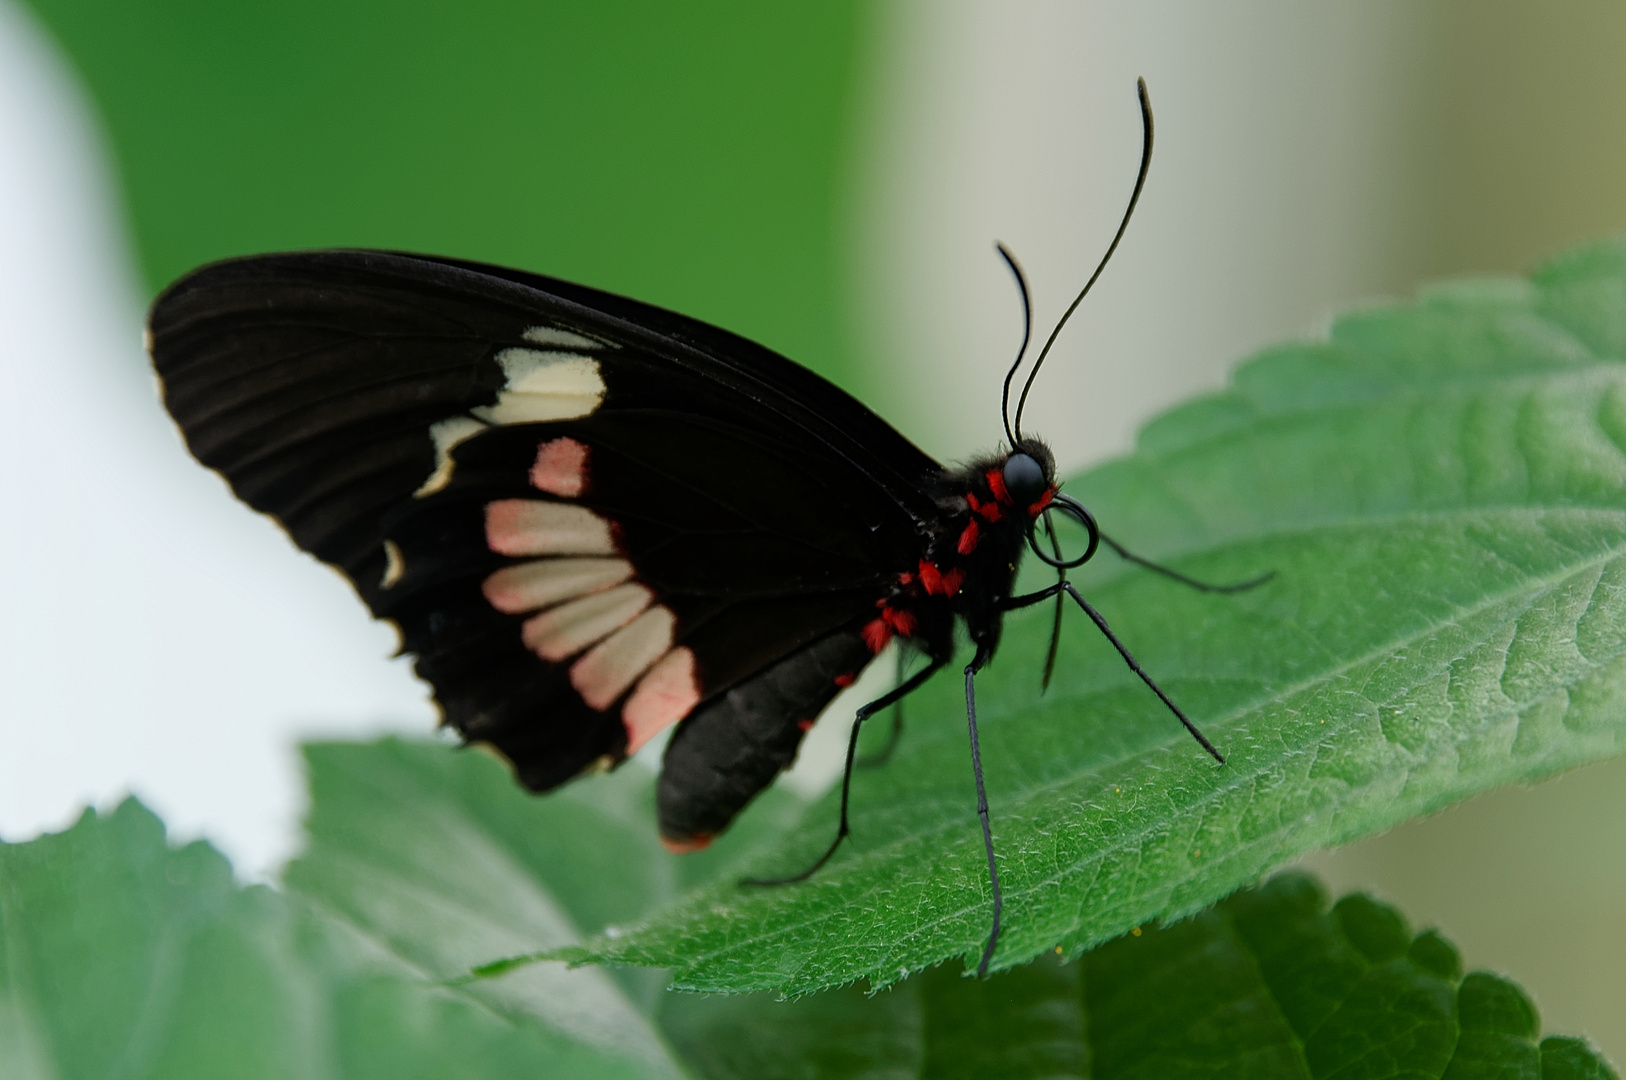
point(540, 583)
point(615, 663)
point(534, 527)
point(394, 566)
point(447, 434)
point(569, 628)
point(545, 386)
point(553, 335)
point(664, 696)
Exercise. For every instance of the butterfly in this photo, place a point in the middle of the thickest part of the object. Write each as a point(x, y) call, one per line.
point(592, 520)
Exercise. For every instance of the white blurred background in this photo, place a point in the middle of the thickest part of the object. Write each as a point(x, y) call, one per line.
point(1309, 156)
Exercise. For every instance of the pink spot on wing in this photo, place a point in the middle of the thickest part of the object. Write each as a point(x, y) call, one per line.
point(561, 468)
point(664, 696)
point(536, 527)
point(608, 669)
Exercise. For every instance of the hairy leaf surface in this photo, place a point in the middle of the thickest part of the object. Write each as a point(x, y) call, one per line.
point(1440, 488)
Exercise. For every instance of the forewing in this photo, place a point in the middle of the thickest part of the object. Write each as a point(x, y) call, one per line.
point(584, 513)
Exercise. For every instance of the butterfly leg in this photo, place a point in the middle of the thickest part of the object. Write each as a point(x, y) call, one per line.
point(971, 670)
point(1101, 625)
point(892, 697)
point(882, 756)
point(1174, 575)
point(1029, 599)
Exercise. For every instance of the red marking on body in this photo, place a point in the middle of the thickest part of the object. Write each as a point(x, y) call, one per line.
point(940, 582)
point(930, 578)
point(876, 634)
point(988, 511)
point(561, 468)
point(844, 680)
point(804, 724)
point(665, 695)
point(686, 845)
point(1044, 500)
point(996, 484)
point(902, 622)
point(906, 578)
point(968, 539)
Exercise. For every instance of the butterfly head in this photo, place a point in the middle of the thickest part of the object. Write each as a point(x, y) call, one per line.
point(1025, 478)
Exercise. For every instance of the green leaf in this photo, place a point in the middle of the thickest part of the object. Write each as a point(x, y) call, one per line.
point(1441, 490)
point(123, 957)
point(1271, 984)
point(442, 861)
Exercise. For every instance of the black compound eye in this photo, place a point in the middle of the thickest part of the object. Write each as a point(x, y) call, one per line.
point(1024, 479)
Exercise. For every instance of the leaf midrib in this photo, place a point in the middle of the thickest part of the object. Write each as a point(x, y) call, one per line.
point(886, 852)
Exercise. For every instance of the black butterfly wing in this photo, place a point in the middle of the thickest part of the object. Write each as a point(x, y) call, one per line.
point(506, 465)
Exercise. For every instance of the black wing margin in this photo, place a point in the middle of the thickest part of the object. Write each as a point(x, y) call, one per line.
point(379, 405)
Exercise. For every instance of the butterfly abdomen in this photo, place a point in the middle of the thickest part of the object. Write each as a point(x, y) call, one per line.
point(732, 746)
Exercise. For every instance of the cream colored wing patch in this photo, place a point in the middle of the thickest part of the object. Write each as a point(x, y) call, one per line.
point(562, 632)
point(544, 386)
point(665, 695)
point(534, 527)
point(561, 381)
point(615, 663)
point(540, 583)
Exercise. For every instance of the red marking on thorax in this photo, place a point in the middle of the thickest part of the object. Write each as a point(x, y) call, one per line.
point(996, 484)
point(901, 622)
point(988, 511)
point(876, 634)
point(561, 468)
point(844, 680)
point(1044, 500)
point(968, 538)
point(940, 582)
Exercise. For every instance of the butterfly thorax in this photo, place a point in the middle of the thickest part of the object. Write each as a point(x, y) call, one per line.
point(967, 565)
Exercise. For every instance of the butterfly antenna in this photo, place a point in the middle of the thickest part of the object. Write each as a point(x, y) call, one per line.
point(1027, 332)
point(1140, 182)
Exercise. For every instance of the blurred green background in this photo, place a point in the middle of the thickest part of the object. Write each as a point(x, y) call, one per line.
point(827, 178)
point(688, 155)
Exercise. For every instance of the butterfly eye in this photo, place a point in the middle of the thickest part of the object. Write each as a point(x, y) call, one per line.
point(1024, 478)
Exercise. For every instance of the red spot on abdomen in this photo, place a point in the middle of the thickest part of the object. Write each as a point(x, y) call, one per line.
point(844, 680)
point(686, 845)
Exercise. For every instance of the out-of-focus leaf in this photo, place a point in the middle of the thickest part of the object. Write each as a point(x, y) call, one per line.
point(1271, 984)
point(123, 957)
point(439, 857)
